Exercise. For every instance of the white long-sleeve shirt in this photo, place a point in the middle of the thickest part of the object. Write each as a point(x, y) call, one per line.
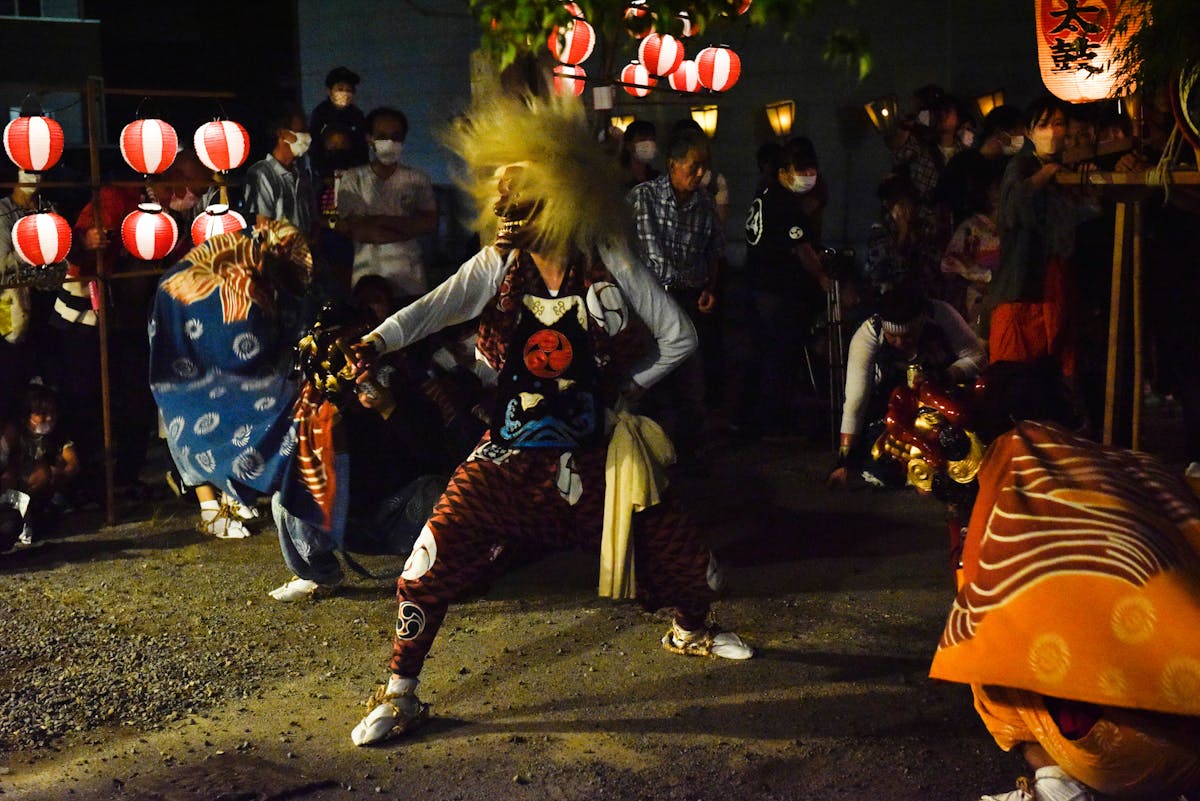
point(863, 373)
point(464, 295)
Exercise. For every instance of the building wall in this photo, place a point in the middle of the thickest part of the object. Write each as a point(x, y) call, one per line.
point(421, 64)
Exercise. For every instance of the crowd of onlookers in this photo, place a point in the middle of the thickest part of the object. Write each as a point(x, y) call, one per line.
point(971, 216)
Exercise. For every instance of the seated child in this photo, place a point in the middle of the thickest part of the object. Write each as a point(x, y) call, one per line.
point(41, 461)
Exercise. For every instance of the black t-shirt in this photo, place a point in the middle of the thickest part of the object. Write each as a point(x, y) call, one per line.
point(351, 119)
point(385, 455)
point(776, 226)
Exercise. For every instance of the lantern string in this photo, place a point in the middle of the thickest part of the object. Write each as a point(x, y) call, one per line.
point(1160, 173)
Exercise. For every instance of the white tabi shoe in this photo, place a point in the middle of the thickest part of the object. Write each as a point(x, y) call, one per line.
point(221, 522)
point(247, 514)
point(391, 714)
point(1050, 783)
point(299, 589)
point(706, 642)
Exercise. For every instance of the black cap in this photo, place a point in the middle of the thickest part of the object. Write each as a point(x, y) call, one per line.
point(341, 75)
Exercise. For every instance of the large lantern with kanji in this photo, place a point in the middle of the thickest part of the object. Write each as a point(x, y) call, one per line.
point(573, 43)
point(719, 68)
point(41, 239)
point(35, 144)
point(686, 78)
point(222, 145)
point(569, 80)
point(661, 53)
point(149, 146)
point(216, 219)
point(1076, 47)
point(149, 233)
point(637, 79)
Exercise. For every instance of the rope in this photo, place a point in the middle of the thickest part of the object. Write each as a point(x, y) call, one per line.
point(1160, 174)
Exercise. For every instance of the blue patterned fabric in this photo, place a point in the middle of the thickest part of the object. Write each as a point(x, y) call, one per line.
point(220, 367)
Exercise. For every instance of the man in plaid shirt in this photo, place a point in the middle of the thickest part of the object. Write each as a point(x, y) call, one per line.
point(680, 241)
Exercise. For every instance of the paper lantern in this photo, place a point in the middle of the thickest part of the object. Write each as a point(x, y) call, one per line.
point(222, 145)
point(687, 26)
point(149, 146)
point(740, 7)
point(719, 68)
point(41, 239)
point(148, 233)
point(568, 80)
point(214, 220)
point(637, 79)
point(574, 10)
point(1076, 48)
point(686, 78)
point(638, 19)
point(660, 53)
point(574, 43)
point(35, 144)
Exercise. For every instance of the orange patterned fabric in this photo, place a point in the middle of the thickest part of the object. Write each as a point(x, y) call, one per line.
point(1126, 752)
point(1081, 577)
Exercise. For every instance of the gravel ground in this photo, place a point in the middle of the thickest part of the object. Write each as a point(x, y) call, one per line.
point(144, 661)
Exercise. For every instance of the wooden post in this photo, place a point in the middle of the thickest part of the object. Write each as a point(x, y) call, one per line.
point(1116, 298)
point(1135, 421)
point(94, 90)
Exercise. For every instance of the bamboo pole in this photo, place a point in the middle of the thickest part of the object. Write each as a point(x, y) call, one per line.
point(1116, 297)
point(101, 285)
point(1138, 366)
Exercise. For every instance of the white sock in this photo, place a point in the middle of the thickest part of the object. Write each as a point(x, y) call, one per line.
point(399, 685)
point(211, 507)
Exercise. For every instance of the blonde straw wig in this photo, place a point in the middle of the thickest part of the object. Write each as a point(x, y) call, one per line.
point(576, 186)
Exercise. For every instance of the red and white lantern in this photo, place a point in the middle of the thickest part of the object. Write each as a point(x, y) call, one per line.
point(41, 239)
point(740, 6)
point(569, 80)
point(686, 78)
point(1077, 47)
point(719, 68)
point(637, 79)
point(574, 10)
point(222, 145)
point(148, 233)
point(149, 146)
point(573, 44)
point(687, 26)
point(215, 220)
point(35, 144)
point(661, 53)
point(638, 19)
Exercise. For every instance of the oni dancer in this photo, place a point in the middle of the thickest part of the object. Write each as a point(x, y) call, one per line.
point(571, 323)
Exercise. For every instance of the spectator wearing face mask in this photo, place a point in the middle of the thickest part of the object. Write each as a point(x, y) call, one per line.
point(787, 284)
point(385, 206)
point(280, 186)
point(639, 148)
point(338, 111)
point(969, 175)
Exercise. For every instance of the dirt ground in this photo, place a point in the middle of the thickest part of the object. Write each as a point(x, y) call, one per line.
point(539, 691)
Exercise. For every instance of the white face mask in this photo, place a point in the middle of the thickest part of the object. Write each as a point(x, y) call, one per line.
point(1015, 143)
point(1043, 141)
point(923, 117)
point(802, 183)
point(301, 144)
point(42, 429)
point(341, 98)
point(645, 151)
point(967, 137)
point(188, 201)
point(387, 151)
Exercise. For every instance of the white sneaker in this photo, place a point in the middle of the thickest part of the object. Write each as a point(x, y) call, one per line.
point(706, 642)
point(299, 589)
point(1052, 783)
point(390, 715)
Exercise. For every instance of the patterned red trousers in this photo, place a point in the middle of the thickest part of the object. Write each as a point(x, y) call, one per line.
point(517, 505)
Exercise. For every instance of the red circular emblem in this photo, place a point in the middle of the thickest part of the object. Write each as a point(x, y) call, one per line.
point(548, 354)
